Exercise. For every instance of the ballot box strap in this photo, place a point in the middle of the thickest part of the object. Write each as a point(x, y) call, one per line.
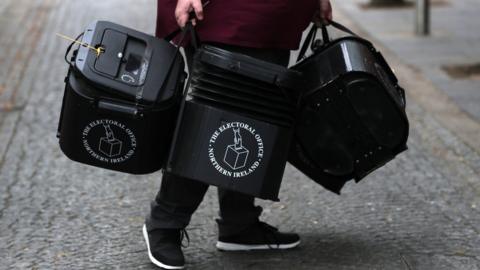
point(311, 36)
point(69, 48)
point(195, 42)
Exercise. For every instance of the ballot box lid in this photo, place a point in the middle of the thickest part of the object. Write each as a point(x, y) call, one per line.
point(128, 63)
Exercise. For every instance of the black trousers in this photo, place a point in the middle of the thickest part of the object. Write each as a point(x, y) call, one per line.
point(179, 197)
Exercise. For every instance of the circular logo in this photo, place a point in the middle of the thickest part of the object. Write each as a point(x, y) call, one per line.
point(109, 141)
point(235, 149)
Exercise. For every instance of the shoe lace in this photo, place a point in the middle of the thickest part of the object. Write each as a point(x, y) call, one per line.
point(184, 235)
point(271, 231)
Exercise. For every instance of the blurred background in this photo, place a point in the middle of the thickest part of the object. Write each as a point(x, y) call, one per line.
point(421, 211)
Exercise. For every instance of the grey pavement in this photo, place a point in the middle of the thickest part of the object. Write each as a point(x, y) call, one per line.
point(421, 211)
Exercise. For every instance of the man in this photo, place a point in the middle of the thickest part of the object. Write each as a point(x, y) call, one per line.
point(267, 30)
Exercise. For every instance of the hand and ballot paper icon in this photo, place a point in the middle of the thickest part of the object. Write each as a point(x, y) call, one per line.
point(236, 155)
point(109, 145)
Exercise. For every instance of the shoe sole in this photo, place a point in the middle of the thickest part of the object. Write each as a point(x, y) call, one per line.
point(239, 247)
point(150, 256)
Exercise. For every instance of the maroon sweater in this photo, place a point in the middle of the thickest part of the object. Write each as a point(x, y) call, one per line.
point(274, 24)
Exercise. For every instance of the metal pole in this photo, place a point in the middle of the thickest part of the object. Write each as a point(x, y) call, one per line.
point(422, 17)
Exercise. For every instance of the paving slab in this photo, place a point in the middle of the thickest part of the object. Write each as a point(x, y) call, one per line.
point(421, 211)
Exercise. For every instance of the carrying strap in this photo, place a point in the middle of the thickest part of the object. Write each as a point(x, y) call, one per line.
point(192, 15)
point(69, 48)
point(310, 39)
point(310, 36)
point(195, 42)
point(172, 35)
point(343, 28)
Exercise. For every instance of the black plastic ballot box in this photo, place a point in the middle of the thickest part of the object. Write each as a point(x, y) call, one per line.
point(352, 118)
point(120, 106)
point(236, 126)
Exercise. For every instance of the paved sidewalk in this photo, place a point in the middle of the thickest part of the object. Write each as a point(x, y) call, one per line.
point(421, 211)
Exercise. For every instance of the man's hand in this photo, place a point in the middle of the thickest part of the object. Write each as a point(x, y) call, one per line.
point(324, 14)
point(184, 7)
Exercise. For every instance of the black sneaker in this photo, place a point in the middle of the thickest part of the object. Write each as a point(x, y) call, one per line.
point(259, 236)
point(165, 247)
